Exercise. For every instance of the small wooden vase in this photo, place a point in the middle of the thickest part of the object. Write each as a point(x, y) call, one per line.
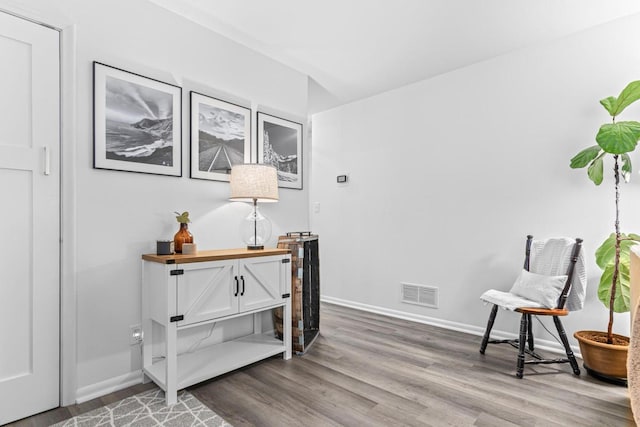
point(182, 236)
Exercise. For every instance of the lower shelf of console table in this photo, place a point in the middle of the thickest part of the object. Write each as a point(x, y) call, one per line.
point(216, 360)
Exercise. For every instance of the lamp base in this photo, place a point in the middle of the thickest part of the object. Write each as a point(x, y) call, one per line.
point(255, 247)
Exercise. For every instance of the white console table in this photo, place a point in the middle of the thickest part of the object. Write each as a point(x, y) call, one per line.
point(183, 291)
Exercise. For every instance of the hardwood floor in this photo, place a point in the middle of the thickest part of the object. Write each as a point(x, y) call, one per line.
point(370, 370)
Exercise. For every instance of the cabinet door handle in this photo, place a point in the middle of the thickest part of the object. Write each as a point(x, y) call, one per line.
point(237, 286)
point(242, 278)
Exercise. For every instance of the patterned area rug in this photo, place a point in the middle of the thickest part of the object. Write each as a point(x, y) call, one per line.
point(149, 409)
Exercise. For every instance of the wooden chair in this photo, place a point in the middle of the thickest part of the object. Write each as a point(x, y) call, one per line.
point(528, 308)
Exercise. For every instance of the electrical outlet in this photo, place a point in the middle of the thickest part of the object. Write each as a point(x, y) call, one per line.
point(135, 334)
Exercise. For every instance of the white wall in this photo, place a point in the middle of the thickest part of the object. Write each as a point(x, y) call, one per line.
point(119, 215)
point(448, 176)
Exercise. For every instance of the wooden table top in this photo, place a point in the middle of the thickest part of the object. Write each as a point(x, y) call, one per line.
point(213, 255)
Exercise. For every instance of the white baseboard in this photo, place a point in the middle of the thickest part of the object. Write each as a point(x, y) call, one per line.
point(546, 345)
point(108, 386)
point(118, 383)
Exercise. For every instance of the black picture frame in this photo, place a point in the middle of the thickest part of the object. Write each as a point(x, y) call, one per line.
point(280, 145)
point(137, 122)
point(220, 137)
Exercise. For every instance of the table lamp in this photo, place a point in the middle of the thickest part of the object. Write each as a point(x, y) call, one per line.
point(254, 183)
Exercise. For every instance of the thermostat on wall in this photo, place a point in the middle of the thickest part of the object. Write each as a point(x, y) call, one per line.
point(341, 178)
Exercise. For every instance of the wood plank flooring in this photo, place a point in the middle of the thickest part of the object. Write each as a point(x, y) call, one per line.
point(371, 370)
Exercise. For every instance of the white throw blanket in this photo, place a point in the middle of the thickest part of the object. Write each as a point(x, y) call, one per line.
point(550, 257)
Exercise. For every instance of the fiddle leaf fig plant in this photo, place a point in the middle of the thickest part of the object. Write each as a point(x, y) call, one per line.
point(617, 139)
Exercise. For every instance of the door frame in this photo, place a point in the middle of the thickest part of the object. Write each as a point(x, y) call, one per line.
point(68, 223)
point(67, 204)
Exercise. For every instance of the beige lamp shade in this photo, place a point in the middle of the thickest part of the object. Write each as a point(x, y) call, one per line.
point(255, 181)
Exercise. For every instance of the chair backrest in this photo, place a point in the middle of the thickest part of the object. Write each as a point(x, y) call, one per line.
point(552, 258)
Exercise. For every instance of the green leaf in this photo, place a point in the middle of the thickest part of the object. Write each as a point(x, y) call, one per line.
point(595, 171)
point(605, 258)
point(183, 218)
point(618, 138)
point(623, 292)
point(610, 104)
point(625, 247)
point(606, 251)
point(584, 157)
point(628, 96)
point(605, 254)
point(626, 167)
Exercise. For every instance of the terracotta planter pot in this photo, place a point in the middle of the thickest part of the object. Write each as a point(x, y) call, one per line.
point(605, 359)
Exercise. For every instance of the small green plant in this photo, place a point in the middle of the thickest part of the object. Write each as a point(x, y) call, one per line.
point(182, 218)
point(613, 256)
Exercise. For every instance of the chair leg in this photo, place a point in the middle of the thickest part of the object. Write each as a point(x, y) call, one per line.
point(521, 344)
point(530, 332)
point(487, 332)
point(567, 348)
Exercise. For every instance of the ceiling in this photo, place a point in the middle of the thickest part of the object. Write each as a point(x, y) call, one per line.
point(353, 49)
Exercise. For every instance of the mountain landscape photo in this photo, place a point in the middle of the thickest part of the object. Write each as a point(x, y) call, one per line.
point(139, 123)
point(221, 139)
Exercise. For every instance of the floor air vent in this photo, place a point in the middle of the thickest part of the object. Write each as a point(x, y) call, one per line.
point(420, 295)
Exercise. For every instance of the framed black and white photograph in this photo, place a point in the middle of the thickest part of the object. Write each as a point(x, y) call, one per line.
point(280, 145)
point(137, 123)
point(220, 137)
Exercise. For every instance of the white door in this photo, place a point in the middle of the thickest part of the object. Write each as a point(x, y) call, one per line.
point(260, 282)
point(30, 218)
